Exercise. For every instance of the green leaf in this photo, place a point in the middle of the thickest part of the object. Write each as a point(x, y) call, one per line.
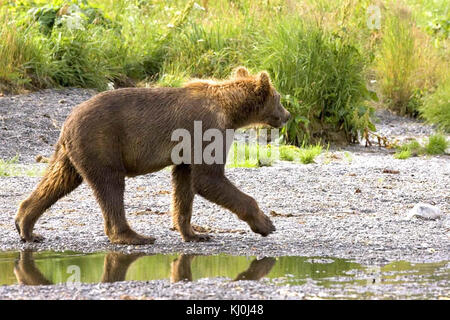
point(373, 96)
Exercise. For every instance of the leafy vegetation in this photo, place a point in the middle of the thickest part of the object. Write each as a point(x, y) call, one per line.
point(436, 107)
point(308, 154)
point(323, 74)
point(413, 57)
point(436, 144)
point(6, 166)
point(402, 155)
point(12, 168)
point(320, 54)
point(249, 155)
point(412, 148)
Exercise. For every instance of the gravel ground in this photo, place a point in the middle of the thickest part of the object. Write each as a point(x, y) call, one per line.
point(352, 203)
point(223, 289)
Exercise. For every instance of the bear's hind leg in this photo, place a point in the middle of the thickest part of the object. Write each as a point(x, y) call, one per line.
point(60, 179)
point(109, 186)
point(181, 206)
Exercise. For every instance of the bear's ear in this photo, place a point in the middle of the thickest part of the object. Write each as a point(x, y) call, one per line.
point(263, 82)
point(240, 72)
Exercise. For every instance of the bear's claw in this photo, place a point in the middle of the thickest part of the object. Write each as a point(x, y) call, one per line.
point(262, 225)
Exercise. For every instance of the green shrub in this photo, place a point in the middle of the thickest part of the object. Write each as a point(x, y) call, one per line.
point(81, 59)
point(402, 155)
point(308, 154)
point(205, 51)
point(249, 155)
point(7, 167)
point(412, 148)
point(321, 75)
point(436, 107)
point(409, 63)
point(437, 144)
point(397, 60)
point(18, 51)
point(289, 153)
point(304, 154)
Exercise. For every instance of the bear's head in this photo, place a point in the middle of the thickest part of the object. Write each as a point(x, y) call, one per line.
point(269, 109)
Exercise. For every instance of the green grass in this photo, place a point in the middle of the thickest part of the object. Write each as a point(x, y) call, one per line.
point(437, 144)
point(436, 107)
point(289, 153)
point(397, 60)
point(12, 168)
point(348, 156)
point(308, 154)
point(253, 156)
point(320, 54)
point(321, 74)
point(412, 58)
point(8, 167)
point(244, 155)
point(402, 155)
point(409, 149)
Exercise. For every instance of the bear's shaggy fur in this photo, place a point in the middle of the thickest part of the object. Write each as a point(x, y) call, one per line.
point(127, 132)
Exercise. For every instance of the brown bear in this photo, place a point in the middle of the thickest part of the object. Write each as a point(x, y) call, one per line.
point(128, 132)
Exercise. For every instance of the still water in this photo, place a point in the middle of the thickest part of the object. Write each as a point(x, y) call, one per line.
point(43, 268)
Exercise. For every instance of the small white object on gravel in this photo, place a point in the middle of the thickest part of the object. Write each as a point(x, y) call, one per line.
point(425, 211)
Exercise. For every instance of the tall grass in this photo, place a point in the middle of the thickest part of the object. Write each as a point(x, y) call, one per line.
point(206, 51)
point(408, 65)
point(17, 54)
point(397, 60)
point(436, 107)
point(437, 144)
point(322, 76)
point(319, 54)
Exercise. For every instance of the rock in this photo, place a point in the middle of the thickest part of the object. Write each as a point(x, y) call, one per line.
point(445, 222)
point(425, 211)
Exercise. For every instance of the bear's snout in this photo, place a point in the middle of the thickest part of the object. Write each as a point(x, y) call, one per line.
point(287, 116)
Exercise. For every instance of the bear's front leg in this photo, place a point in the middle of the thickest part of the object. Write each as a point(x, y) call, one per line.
point(181, 268)
point(210, 182)
point(182, 200)
point(26, 271)
point(116, 265)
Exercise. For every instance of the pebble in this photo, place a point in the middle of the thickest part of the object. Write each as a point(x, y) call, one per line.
point(425, 211)
point(336, 223)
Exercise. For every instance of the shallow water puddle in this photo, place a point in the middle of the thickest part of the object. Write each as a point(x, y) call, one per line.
point(40, 268)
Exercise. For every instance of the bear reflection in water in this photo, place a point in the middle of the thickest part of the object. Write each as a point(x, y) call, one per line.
point(116, 265)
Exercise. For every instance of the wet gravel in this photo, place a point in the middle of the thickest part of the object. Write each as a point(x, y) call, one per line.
point(352, 203)
point(223, 289)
